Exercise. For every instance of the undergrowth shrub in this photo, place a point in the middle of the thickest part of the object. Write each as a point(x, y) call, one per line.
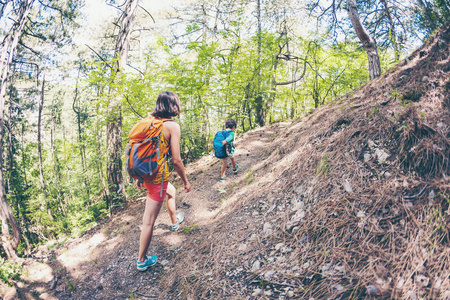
point(9, 271)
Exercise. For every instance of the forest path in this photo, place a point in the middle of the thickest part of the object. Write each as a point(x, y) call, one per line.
point(100, 264)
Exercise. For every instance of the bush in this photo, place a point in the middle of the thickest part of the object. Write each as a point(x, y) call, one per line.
point(9, 271)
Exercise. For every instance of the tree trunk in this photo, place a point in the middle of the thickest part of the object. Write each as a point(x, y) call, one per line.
point(9, 45)
point(41, 169)
point(368, 42)
point(100, 164)
point(259, 99)
point(55, 162)
point(114, 126)
point(23, 156)
point(80, 139)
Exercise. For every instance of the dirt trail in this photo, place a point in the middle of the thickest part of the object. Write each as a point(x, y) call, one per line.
point(100, 264)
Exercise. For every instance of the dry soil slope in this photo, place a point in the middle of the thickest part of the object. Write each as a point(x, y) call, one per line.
point(352, 201)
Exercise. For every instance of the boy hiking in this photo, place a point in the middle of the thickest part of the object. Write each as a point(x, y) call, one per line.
point(230, 127)
point(158, 185)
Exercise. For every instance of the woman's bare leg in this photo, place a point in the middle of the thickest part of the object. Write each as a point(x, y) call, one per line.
point(171, 204)
point(152, 209)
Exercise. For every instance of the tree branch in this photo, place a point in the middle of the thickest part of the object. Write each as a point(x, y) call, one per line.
point(135, 112)
point(99, 56)
point(147, 13)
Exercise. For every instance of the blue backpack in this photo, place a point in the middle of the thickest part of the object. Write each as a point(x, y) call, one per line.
point(221, 151)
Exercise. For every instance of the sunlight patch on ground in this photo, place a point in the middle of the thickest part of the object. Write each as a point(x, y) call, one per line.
point(172, 240)
point(38, 272)
point(81, 252)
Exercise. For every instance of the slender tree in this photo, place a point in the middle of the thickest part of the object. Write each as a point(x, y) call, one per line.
point(368, 42)
point(114, 125)
point(9, 45)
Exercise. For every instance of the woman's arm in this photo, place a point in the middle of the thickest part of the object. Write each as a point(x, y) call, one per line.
point(174, 135)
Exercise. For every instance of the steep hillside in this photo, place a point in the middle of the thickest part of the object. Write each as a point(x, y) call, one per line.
point(352, 201)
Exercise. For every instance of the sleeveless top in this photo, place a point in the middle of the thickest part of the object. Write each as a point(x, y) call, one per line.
point(164, 145)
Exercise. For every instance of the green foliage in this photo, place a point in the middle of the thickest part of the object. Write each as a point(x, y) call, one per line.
point(429, 15)
point(189, 229)
point(9, 271)
point(249, 177)
point(323, 166)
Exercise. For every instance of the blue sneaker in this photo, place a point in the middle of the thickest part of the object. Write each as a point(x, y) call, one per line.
point(180, 218)
point(149, 261)
point(235, 169)
point(223, 178)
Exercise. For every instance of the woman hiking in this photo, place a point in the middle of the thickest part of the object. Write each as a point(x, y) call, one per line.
point(167, 107)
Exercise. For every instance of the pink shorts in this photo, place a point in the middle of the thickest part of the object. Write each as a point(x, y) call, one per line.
point(154, 190)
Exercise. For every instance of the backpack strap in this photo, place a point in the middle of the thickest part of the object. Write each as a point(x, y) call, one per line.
point(165, 161)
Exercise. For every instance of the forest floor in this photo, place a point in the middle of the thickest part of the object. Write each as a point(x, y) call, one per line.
point(350, 202)
point(101, 263)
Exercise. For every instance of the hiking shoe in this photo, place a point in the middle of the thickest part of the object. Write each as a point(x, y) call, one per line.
point(180, 218)
point(149, 261)
point(223, 178)
point(235, 169)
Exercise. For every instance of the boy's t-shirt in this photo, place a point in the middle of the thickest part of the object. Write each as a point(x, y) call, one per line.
point(230, 140)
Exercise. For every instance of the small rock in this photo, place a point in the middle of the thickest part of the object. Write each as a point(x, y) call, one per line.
point(164, 262)
point(303, 240)
point(299, 189)
point(267, 229)
point(338, 287)
point(269, 274)
point(382, 155)
point(297, 204)
point(425, 78)
point(372, 290)
point(290, 294)
point(281, 259)
point(256, 292)
point(400, 284)
point(347, 186)
point(298, 216)
point(371, 143)
point(268, 293)
point(286, 250)
point(437, 284)
point(409, 204)
point(361, 214)
point(242, 247)
point(256, 265)
point(367, 157)
point(279, 246)
point(431, 195)
point(387, 174)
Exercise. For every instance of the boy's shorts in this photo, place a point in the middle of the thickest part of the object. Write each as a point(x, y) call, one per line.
point(154, 190)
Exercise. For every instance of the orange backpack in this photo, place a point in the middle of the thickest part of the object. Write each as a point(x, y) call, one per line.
point(142, 151)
